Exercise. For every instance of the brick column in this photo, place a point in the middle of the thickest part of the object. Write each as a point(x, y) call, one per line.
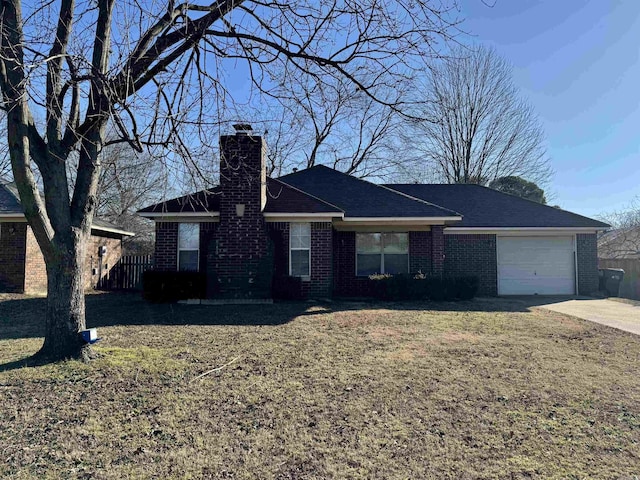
point(321, 260)
point(241, 262)
point(419, 252)
point(166, 248)
point(587, 263)
point(437, 250)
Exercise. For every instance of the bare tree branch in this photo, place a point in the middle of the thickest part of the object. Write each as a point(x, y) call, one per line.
point(476, 128)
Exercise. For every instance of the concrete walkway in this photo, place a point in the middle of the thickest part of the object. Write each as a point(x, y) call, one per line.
point(606, 312)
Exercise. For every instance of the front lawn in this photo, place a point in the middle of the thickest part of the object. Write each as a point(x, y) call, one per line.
point(481, 389)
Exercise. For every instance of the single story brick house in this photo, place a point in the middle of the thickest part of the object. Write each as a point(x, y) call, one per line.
point(22, 266)
point(333, 230)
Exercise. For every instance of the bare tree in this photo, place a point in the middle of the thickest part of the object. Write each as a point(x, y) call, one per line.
point(331, 123)
point(476, 127)
point(128, 182)
point(623, 240)
point(157, 70)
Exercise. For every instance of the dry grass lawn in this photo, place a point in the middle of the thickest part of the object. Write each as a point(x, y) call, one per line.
point(482, 389)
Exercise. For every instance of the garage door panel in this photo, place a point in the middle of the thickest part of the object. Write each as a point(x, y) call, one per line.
point(536, 265)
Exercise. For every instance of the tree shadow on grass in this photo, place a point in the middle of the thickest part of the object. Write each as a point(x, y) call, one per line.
point(30, 361)
point(23, 317)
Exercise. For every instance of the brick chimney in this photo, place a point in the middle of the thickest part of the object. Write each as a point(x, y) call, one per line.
point(242, 235)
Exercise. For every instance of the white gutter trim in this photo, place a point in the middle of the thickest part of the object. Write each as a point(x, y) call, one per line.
point(20, 216)
point(489, 230)
point(296, 215)
point(401, 219)
point(178, 214)
point(113, 230)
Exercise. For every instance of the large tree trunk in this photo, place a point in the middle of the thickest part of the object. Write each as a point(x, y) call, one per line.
point(65, 316)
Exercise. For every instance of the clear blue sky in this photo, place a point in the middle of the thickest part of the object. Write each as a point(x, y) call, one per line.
point(577, 61)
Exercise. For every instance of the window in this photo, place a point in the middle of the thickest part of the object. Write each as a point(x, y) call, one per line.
point(300, 250)
point(188, 246)
point(382, 253)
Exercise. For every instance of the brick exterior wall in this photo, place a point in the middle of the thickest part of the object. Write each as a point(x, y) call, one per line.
point(587, 263)
point(437, 249)
point(208, 249)
point(473, 255)
point(102, 264)
point(22, 265)
point(12, 256)
point(242, 263)
point(166, 248)
point(320, 284)
point(279, 235)
point(347, 283)
point(35, 281)
point(420, 252)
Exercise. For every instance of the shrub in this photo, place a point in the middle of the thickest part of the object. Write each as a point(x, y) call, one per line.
point(168, 286)
point(436, 288)
point(468, 287)
point(422, 287)
point(285, 287)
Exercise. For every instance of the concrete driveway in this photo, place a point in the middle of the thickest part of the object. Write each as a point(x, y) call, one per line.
point(618, 315)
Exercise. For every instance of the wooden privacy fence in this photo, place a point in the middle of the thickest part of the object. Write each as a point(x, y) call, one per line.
point(127, 273)
point(630, 287)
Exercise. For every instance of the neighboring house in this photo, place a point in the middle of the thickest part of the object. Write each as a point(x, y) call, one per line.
point(22, 266)
point(333, 230)
point(620, 243)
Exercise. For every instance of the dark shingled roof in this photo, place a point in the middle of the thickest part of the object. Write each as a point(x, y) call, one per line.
point(10, 205)
point(281, 198)
point(284, 198)
point(485, 207)
point(359, 198)
point(203, 201)
point(9, 198)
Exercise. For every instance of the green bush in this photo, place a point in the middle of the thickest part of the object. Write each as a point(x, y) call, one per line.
point(169, 286)
point(285, 287)
point(467, 287)
point(422, 287)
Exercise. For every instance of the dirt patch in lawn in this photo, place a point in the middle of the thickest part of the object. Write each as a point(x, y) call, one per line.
point(300, 391)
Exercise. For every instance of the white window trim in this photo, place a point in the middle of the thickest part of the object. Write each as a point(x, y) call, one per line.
point(188, 249)
point(303, 277)
point(381, 251)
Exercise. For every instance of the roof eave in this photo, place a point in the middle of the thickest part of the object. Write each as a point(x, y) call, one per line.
point(117, 231)
point(460, 230)
point(400, 221)
point(160, 215)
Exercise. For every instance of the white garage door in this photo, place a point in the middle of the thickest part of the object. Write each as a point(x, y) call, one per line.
point(536, 265)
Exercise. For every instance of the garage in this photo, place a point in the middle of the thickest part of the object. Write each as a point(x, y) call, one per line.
point(536, 265)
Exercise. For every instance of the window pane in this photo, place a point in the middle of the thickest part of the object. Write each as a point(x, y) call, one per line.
point(295, 229)
point(300, 235)
point(396, 243)
point(188, 236)
point(300, 242)
point(368, 242)
point(300, 263)
point(369, 264)
point(394, 263)
point(188, 260)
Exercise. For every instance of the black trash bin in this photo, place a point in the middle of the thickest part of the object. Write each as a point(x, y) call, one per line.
point(610, 280)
